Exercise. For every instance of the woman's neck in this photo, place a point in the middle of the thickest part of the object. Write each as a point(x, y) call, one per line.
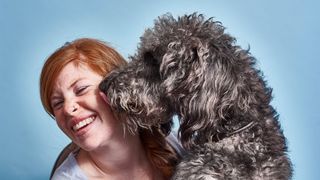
point(122, 159)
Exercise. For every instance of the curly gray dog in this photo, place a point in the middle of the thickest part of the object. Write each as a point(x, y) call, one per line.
point(191, 68)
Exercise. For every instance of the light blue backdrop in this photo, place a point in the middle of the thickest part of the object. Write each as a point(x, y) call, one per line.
point(283, 35)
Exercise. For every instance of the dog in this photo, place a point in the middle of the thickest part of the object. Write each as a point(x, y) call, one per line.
point(190, 67)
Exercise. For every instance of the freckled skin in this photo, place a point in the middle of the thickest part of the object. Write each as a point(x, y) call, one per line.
point(77, 87)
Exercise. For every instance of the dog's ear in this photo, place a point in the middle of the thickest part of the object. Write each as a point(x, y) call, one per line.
point(222, 85)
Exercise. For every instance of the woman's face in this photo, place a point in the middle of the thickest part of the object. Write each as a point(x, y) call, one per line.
point(80, 111)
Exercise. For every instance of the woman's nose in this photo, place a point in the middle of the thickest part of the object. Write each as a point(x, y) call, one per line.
point(71, 107)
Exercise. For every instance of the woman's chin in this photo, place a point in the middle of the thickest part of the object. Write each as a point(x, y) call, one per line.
point(88, 146)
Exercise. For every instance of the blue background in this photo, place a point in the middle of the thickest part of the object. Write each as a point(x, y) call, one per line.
point(283, 35)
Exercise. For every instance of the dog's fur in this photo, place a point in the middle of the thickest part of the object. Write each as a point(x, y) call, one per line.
point(191, 68)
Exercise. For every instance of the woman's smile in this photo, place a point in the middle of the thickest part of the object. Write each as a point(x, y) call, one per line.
point(82, 126)
point(83, 123)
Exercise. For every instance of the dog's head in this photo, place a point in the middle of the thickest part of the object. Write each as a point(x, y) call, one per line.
point(134, 95)
point(187, 66)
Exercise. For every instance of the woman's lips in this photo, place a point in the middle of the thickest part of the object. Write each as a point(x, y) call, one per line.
point(83, 123)
point(83, 126)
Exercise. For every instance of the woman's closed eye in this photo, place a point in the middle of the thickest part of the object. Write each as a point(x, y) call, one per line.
point(81, 90)
point(57, 104)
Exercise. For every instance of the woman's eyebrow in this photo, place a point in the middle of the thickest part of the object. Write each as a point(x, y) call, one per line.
point(75, 82)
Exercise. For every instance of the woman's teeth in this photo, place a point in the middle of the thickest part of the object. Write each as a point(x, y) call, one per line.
point(82, 123)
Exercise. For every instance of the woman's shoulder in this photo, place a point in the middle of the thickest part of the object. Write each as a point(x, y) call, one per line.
point(69, 169)
point(173, 140)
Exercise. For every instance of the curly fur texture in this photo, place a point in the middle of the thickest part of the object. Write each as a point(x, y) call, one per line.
point(191, 68)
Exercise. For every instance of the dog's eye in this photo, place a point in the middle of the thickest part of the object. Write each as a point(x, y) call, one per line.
point(150, 59)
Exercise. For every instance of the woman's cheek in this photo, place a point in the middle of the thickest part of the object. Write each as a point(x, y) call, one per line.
point(62, 124)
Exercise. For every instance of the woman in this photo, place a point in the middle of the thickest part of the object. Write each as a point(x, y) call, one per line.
point(69, 93)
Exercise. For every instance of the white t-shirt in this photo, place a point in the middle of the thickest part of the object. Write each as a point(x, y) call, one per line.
point(70, 170)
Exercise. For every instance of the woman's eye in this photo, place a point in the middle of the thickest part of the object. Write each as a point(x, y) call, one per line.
point(81, 90)
point(57, 104)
